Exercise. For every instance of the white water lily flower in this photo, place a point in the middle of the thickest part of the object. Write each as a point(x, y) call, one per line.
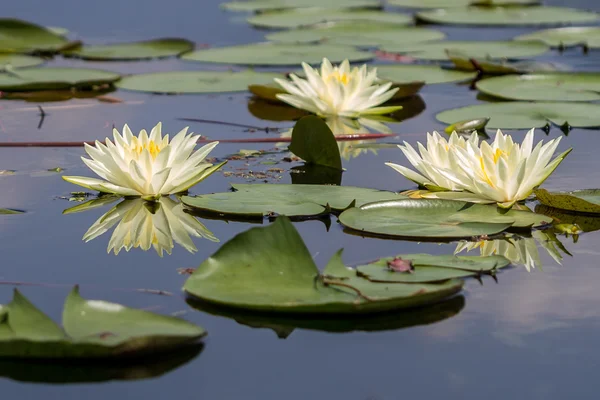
point(143, 224)
point(338, 91)
point(146, 166)
point(503, 172)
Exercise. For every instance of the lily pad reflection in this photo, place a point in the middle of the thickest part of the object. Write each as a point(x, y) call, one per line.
point(145, 225)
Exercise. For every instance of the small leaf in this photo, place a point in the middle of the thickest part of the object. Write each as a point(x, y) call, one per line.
point(313, 141)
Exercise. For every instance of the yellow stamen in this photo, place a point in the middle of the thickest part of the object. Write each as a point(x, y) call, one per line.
point(499, 153)
point(340, 77)
point(485, 175)
point(152, 147)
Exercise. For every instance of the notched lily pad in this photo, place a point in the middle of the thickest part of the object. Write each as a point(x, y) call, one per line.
point(17, 36)
point(55, 78)
point(258, 200)
point(310, 16)
point(271, 270)
point(8, 61)
point(92, 329)
point(588, 36)
point(430, 74)
point(147, 49)
point(270, 5)
point(584, 201)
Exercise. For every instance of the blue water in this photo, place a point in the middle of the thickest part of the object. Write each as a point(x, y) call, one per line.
point(531, 335)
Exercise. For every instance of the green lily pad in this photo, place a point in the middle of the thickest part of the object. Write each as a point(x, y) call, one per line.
point(271, 270)
point(270, 5)
point(18, 61)
point(156, 48)
point(195, 81)
point(258, 200)
point(459, 3)
point(499, 16)
point(435, 219)
point(92, 329)
point(585, 201)
point(24, 37)
point(313, 141)
point(566, 37)
point(584, 222)
point(357, 33)
point(527, 115)
point(428, 268)
point(582, 86)
point(464, 62)
point(8, 211)
point(311, 16)
point(429, 73)
point(31, 79)
point(472, 49)
point(277, 54)
point(58, 30)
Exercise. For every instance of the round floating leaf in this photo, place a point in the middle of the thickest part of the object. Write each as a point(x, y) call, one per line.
point(157, 48)
point(18, 61)
point(292, 200)
point(470, 49)
point(494, 16)
point(264, 5)
point(357, 33)
point(459, 3)
point(570, 86)
point(584, 201)
point(55, 79)
point(271, 270)
point(92, 329)
point(21, 36)
point(277, 54)
point(435, 219)
point(196, 81)
point(571, 36)
point(464, 62)
point(428, 268)
point(526, 115)
point(311, 16)
point(428, 73)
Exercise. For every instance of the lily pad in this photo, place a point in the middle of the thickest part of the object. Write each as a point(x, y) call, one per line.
point(429, 73)
point(460, 3)
point(92, 329)
point(8, 211)
point(313, 141)
point(24, 37)
point(584, 222)
point(18, 61)
point(472, 49)
point(582, 86)
point(504, 16)
point(258, 200)
point(584, 201)
point(156, 48)
point(196, 81)
point(31, 79)
point(527, 115)
point(277, 54)
point(311, 16)
point(428, 268)
point(270, 5)
point(464, 62)
point(567, 37)
point(435, 219)
point(271, 270)
point(357, 33)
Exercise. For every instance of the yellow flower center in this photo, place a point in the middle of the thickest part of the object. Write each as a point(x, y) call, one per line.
point(152, 147)
point(340, 77)
point(499, 153)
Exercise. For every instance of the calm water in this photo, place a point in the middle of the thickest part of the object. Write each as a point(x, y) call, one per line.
point(531, 335)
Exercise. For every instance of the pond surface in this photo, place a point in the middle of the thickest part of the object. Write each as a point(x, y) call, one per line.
point(530, 335)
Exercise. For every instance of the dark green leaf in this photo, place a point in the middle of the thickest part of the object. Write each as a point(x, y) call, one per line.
point(313, 141)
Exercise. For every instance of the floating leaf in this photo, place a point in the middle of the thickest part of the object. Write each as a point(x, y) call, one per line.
point(277, 54)
point(292, 200)
point(526, 115)
point(269, 5)
point(582, 222)
point(429, 73)
point(24, 37)
point(8, 211)
point(313, 141)
point(270, 269)
point(471, 49)
point(311, 16)
point(581, 86)
point(585, 201)
point(156, 48)
point(459, 3)
point(428, 268)
point(273, 111)
point(42, 96)
point(423, 218)
point(55, 79)
point(357, 33)
point(566, 37)
point(8, 61)
point(464, 62)
point(196, 81)
point(92, 329)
